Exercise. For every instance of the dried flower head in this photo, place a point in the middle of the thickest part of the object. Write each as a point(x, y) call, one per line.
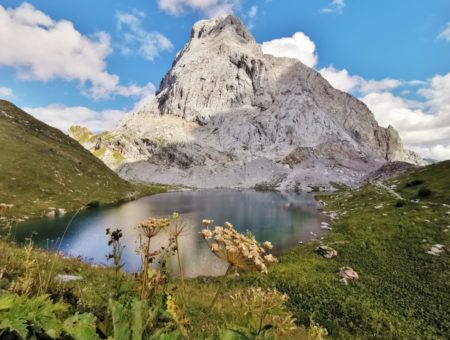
point(240, 251)
point(267, 245)
point(207, 223)
point(152, 226)
point(114, 236)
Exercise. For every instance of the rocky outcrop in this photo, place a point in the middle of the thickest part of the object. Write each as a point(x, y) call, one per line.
point(227, 115)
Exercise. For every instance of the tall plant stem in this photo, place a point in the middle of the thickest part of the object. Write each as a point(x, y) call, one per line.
point(213, 302)
point(145, 270)
point(180, 268)
point(47, 284)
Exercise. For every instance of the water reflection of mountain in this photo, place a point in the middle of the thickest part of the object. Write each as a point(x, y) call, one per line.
point(282, 218)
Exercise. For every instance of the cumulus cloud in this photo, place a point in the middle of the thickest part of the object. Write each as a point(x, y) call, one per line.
point(137, 40)
point(424, 126)
point(445, 33)
point(6, 92)
point(209, 8)
point(56, 50)
point(342, 80)
point(62, 117)
point(335, 6)
point(299, 46)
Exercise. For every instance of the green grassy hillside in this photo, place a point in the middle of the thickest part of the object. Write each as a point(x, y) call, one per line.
point(403, 292)
point(41, 167)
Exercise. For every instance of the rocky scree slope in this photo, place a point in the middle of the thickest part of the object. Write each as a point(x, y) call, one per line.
point(227, 115)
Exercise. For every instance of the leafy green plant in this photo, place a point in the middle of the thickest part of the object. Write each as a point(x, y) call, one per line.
point(81, 326)
point(263, 313)
point(27, 316)
point(136, 320)
point(26, 283)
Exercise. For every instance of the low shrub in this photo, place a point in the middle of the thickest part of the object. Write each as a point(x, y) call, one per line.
point(400, 203)
point(424, 192)
point(414, 183)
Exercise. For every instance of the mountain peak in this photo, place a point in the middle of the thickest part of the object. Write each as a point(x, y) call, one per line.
point(226, 114)
point(230, 25)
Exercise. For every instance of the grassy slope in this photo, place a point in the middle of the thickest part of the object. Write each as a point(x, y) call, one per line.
point(41, 167)
point(403, 293)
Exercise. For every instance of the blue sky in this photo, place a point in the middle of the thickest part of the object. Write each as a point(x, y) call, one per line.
point(90, 62)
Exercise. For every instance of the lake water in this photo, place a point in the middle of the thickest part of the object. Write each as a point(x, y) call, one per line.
point(285, 219)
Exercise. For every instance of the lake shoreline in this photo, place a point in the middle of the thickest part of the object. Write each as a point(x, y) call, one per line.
point(275, 208)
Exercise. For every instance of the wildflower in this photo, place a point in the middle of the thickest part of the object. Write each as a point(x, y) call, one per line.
point(149, 228)
point(270, 258)
point(207, 234)
point(240, 251)
point(207, 223)
point(267, 245)
point(152, 226)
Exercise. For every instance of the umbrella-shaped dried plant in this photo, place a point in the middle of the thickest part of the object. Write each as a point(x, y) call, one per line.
point(241, 252)
point(175, 232)
point(149, 229)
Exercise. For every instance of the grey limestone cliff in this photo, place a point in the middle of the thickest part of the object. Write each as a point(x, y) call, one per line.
point(227, 115)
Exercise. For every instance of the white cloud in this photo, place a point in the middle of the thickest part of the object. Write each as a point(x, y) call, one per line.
point(438, 94)
point(56, 50)
point(253, 11)
point(436, 152)
point(386, 84)
point(62, 117)
point(146, 96)
point(6, 92)
point(423, 126)
point(251, 16)
point(209, 8)
point(342, 80)
point(445, 33)
point(137, 39)
point(299, 46)
point(335, 6)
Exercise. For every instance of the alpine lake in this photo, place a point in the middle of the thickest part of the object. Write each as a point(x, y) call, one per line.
point(285, 219)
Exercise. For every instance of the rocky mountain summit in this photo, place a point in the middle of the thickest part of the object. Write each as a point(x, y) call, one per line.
point(227, 115)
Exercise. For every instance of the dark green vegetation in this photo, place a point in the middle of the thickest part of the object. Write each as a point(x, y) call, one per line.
point(403, 292)
point(40, 167)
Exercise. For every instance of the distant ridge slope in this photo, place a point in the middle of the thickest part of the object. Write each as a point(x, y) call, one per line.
point(41, 167)
point(226, 115)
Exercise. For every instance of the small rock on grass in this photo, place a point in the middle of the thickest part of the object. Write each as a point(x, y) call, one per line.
point(437, 250)
point(347, 275)
point(67, 278)
point(327, 251)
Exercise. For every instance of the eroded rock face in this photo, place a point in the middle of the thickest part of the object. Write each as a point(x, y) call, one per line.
point(226, 115)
